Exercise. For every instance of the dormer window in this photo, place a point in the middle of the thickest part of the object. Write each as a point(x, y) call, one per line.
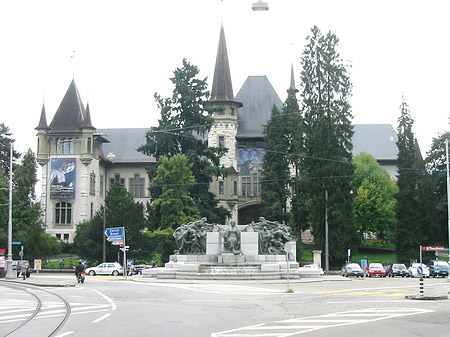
point(231, 111)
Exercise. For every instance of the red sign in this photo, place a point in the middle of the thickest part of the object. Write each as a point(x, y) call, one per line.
point(432, 248)
point(2, 251)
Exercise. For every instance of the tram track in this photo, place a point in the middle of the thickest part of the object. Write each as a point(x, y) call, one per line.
point(29, 322)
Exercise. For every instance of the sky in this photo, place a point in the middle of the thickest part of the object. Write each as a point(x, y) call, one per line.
point(122, 52)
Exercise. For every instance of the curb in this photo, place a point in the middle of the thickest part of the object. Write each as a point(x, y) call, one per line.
point(427, 298)
point(39, 284)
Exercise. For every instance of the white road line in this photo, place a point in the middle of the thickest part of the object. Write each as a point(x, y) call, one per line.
point(101, 318)
point(113, 305)
point(307, 324)
point(65, 334)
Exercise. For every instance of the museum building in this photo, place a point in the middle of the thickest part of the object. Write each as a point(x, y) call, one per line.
point(80, 162)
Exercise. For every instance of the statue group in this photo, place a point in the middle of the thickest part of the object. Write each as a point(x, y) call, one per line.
point(191, 237)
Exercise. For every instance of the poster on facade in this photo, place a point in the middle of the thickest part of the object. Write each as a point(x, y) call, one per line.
point(62, 178)
point(248, 158)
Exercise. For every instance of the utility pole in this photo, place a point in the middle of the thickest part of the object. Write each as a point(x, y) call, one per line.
point(9, 273)
point(448, 200)
point(327, 258)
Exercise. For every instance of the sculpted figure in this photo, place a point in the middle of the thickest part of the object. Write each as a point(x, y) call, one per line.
point(191, 237)
point(264, 240)
point(232, 239)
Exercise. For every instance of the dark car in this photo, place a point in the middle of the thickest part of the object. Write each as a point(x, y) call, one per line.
point(397, 269)
point(352, 269)
point(438, 268)
point(140, 267)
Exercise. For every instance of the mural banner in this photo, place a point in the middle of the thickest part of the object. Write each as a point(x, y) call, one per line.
point(62, 178)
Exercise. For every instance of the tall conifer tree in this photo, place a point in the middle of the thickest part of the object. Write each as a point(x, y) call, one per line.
point(183, 126)
point(327, 165)
point(409, 232)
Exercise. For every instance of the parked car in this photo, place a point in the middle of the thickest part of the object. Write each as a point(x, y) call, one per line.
point(375, 269)
point(352, 269)
point(397, 269)
point(412, 270)
point(140, 267)
point(314, 266)
point(107, 268)
point(438, 268)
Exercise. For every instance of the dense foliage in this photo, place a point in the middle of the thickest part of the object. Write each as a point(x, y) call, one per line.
point(374, 202)
point(184, 123)
point(408, 231)
point(327, 164)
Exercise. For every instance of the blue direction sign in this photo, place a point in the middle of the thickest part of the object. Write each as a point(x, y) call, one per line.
point(16, 242)
point(114, 234)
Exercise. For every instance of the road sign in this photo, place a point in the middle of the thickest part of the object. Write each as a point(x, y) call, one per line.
point(442, 254)
point(419, 271)
point(117, 243)
point(432, 248)
point(16, 242)
point(115, 238)
point(116, 231)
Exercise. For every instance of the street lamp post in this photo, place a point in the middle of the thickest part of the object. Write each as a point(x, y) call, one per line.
point(327, 253)
point(448, 200)
point(9, 273)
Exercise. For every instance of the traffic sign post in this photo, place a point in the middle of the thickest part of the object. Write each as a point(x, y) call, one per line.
point(116, 236)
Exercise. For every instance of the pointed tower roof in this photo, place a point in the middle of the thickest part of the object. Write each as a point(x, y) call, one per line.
point(87, 124)
point(292, 84)
point(70, 115)
point(43, 120)
point(222, 89)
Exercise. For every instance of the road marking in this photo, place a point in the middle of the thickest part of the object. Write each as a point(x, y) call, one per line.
point(65, 334)
point(308, 324)
point(113, 305)
point(101, 318)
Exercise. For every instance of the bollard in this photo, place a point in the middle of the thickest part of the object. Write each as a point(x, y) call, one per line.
point(421, 286)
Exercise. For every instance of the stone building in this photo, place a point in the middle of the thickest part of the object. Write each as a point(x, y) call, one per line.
point(80, 162)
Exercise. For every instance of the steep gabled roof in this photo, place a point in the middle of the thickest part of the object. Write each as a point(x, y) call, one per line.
point(43, 120)
point(379, 140)
point(222, 89)
point(87, 124)
point(123, 144)
point(258, 97)
point(70, 115)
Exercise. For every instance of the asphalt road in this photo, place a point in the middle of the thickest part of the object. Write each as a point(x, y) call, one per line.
point(330, 306)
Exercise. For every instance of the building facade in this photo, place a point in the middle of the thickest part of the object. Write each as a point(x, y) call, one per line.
point(80, 162)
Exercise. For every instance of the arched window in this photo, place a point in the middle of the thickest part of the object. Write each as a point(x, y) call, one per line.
point(89, 145)
point(58, 146)
point(71, 141)
point(63, 213)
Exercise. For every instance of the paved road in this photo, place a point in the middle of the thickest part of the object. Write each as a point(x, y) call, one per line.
point(111, 306)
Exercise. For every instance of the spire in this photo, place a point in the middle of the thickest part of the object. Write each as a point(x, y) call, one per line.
point(292, 84)
point(87, 124)
point(222, 89)
point(70, 114)
point(43, 120)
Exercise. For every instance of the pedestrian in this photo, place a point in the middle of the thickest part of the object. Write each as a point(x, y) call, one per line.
point(154, 264)
point(61, 263)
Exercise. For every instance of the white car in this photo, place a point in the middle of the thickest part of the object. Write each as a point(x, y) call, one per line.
point(107, 268)
point(413, 270)
point(314, 266)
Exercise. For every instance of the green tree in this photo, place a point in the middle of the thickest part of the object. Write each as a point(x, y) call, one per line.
point(374, 202)
point(184, 123)
point(174, 206)
point(409, 231)
point(5, 148)
point(121, 211)
point(275, 170)
point(327, 164)
point(435, 182)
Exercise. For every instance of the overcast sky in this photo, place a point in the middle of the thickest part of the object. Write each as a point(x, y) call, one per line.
point(126, 50)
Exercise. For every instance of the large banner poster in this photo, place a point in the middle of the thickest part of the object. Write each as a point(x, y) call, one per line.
point(249, 157)
point(62, 178)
